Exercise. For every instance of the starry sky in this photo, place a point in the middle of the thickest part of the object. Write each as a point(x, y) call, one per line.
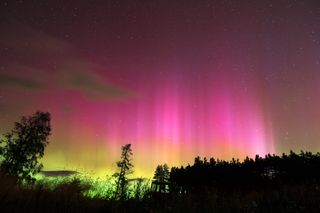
point(175, 78)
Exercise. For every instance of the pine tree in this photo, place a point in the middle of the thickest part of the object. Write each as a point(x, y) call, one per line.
point(124, 168)
point(161, 177)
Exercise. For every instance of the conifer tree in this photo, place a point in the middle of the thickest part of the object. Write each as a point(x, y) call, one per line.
point(161, 177)
point(124, 169)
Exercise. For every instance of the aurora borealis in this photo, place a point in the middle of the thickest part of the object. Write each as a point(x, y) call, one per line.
point(176, 79)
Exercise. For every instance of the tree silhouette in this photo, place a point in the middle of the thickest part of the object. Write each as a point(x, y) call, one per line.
point(252, 173)
point(161, 177)
point(24, 145)
point(124, 168)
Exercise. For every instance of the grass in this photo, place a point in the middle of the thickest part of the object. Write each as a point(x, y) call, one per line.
point(84, 194)
point(100, 188)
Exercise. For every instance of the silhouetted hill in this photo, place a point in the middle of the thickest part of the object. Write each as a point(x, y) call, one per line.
point(56, 173)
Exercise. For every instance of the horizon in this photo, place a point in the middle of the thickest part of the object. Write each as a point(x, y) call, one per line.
point(108, 173)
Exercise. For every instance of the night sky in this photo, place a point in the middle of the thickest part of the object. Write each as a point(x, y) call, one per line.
point(175, 78)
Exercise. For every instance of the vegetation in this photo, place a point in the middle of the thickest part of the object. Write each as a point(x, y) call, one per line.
point(124, 169)
point(287, 183)
point(161, 178)
point(270, 171)
point(24, 145)
point(226, 189)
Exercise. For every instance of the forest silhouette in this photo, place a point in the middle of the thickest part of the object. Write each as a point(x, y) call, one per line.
point(286, 183)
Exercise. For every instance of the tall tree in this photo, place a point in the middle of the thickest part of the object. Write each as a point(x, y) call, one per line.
point(24, 145)
point(161, 177)
point(124, 169)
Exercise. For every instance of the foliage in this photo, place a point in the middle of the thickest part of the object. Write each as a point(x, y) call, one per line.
point(161, 177)
point(65, 197)
point(100, 188)
point(24, 145)
point(287, 183)
point(259, 172)
point(124, 169)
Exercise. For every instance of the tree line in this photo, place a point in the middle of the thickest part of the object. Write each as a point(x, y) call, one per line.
point(24, 145)
point(258, 172)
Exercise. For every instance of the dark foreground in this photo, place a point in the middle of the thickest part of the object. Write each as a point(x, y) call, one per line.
point(287, 183)
point(68, 198)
